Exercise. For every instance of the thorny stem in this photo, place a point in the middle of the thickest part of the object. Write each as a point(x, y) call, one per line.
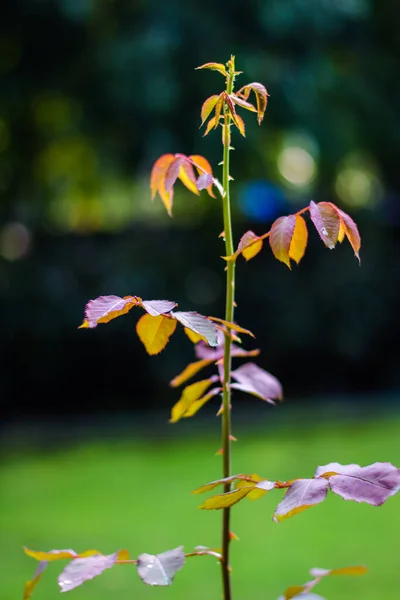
point(229, 310)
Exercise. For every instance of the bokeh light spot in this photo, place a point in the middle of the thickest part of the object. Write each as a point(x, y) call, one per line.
point(15, 241)
point(296, 165)
point(357, 182)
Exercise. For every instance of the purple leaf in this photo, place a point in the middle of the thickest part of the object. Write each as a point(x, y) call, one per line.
point(265, 485)
point(158, 307)
point(204, 181)
point(172, 173)
point(372, 484)
point(326, 219)
point(105, 308)
point(302, 494)
point(159, 569)
point(80, 570)
point(254, 380)
point(199, 324)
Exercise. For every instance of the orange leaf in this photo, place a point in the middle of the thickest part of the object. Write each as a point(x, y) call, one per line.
point(210, 125)
point(281, 237)
point(214, 67)
point(154, 332)
point(351, 231)
point(208, 107)
point(242, 103)
point(157, 178)
point(299, 240)
point(189, 371)
point(190, 394)
point(240, 125)
point(261, 97)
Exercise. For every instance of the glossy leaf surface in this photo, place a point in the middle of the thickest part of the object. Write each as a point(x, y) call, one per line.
point(199, 324)
point(106, 308)
point(327, 222)
point(82, 569)
point(160, 569)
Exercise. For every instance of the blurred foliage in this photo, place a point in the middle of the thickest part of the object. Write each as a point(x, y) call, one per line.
point(93, 91)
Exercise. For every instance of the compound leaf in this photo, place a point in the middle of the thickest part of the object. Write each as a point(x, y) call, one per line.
point(155, 332)
point(160, 569)
point(302, 494)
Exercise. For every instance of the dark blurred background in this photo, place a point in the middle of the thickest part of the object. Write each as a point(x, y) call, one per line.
point(92, 92)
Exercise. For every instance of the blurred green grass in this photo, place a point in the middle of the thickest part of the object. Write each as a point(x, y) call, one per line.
point(136, 495)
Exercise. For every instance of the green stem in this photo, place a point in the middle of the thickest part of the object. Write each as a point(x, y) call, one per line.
point(229, 311)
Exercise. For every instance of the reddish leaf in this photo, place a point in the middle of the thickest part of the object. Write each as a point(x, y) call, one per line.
point(106, 308)
point(82, 569)
point(189, 371)
point(280, 238)
point(218, 109)
point(190, 394)
point(325, 217)
point(254, 380)
point(351, 231)
point(30, 585)
point(240, 102)
point(172, 173)
point(158, 307)
point(199, 324)
point(208, 107)
point(261, 97)
point(240, 125)
point(250, 245)
point(160, 569)
point(299, 240)
point(372, 484)
point(154, 332)
point(302, 494)
point(203, 166)
point(214, 67)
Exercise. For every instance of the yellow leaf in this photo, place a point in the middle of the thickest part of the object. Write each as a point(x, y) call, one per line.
point(193, 336)
point(341, 232)
point(299, 240)
point(240, 125)
point(58, 554)
point(225, 500)
point(198, 404)
point(249, 245)
point(154, 332)
point(208, 107)
point(85, 325)
point(357, 570)
point(233, 326)
point(190, 394)
point(187, 176)
point(210, 125)
point(293, 591)
point(157, 178)
point(190, 370)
